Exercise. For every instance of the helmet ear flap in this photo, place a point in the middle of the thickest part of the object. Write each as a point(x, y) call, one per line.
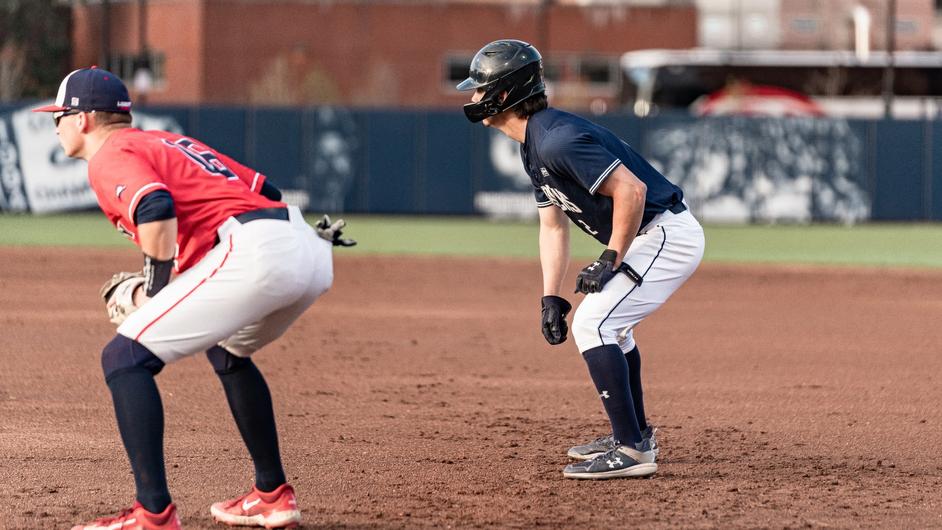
point(491, 103)
point(498, 93)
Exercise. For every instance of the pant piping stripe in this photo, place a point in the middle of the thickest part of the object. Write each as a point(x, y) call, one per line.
point(191, 291)
point(663, 242)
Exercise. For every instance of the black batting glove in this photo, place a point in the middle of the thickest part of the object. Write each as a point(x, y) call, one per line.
point(555, 310)
point(332, 231)
point(597, 274)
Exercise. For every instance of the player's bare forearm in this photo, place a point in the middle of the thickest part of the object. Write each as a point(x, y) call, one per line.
point(554, 248)
point(158, 239)
point(628, 196)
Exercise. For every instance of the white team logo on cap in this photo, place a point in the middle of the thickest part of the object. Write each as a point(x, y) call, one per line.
point(75, 102)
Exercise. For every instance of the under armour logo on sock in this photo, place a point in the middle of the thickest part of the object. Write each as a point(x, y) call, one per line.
point(604, 394)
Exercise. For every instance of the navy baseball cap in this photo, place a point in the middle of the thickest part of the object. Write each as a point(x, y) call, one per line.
point(89, 89)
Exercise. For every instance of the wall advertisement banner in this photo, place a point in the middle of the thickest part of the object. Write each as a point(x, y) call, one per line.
point(35, 174)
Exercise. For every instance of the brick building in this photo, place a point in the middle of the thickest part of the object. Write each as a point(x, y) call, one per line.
point(380, 53)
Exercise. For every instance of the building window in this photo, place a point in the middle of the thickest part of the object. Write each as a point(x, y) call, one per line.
point(456, 69)
point(908, 25)
point(125, 64)
point(597, 70)
point(807, 26)
point(553, 70)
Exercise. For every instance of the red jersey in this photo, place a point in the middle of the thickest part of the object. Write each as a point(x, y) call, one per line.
point(207, 186)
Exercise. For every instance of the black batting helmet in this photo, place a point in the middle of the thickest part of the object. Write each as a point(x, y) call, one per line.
point(506, 65)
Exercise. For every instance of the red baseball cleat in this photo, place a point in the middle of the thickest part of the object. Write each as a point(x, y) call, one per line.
point(136, 518)
point(277, 509)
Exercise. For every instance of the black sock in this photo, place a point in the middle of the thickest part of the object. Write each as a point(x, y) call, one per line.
point(140, 416)
point(634, 383)
point(251, 406)
point(609, 370)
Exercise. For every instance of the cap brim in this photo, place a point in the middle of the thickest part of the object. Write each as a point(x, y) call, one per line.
point(50, 108)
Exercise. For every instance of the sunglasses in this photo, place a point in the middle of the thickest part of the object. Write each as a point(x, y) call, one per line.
point(56, 116)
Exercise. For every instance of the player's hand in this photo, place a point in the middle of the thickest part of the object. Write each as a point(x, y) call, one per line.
point(555, 310)
point(594, 277)
point(332, 232)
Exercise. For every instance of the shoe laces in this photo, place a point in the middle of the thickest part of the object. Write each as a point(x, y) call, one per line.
point(237, 501)
point(607, 439)
point(120, 517)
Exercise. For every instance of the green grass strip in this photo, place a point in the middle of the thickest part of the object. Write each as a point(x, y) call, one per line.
point(897, 245)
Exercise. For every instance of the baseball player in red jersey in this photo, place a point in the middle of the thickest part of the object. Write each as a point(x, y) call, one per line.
point(247, 266)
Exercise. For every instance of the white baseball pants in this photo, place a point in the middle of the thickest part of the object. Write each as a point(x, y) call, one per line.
point(665, 254)
point(242, 295)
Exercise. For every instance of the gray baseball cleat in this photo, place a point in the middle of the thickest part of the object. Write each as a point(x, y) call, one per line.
point(636, 460)
point(607, 443)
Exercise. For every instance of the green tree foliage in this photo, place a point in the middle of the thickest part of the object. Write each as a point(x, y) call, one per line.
point(34, 47)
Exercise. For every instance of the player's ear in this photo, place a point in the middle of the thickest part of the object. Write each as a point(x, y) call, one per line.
point(83, 123)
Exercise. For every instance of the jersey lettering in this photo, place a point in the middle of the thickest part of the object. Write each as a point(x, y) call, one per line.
point(559, 199)
point(587, 227)
point(202, 156)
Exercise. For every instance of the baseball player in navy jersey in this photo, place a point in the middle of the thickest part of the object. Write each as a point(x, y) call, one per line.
point(247, 266)
point(652, 243)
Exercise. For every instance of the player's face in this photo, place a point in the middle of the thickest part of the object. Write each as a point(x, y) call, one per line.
point(478, 96)
point(67, 129)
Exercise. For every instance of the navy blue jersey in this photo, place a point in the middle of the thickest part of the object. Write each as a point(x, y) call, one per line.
point(568, 158)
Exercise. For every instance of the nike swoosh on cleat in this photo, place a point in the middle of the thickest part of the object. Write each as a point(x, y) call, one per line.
point(246, 505)
point(117, 526)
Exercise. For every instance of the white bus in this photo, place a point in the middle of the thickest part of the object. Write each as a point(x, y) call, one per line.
point(840, 82)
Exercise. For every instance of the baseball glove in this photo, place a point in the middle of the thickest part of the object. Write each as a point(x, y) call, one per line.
point(118, 294)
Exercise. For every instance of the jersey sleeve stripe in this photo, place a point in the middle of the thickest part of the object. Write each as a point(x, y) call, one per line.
point(544, 204)
point(606, 173)
point(140, 193)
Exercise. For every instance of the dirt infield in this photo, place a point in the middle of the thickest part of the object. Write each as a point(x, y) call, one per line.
point(420, 393)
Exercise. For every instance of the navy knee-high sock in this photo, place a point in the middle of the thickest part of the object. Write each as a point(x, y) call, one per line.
point(250, 402)
point(140, 416)
point(609, 370)
point(634, 383)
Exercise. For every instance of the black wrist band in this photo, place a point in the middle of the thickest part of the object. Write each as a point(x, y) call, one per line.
point(157, 272)
point(609, 255)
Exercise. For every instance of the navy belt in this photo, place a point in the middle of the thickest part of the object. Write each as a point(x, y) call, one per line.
point(280, 214)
